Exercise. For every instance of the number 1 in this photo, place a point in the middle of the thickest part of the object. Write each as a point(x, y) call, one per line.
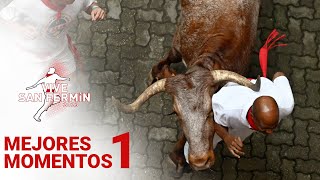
point(124, 139)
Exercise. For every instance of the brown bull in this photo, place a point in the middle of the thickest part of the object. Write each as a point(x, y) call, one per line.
point(214, 37)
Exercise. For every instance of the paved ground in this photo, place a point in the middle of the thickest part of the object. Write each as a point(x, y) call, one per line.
point(119, 52)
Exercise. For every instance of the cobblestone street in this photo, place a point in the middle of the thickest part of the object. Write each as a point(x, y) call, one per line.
point(119, 52)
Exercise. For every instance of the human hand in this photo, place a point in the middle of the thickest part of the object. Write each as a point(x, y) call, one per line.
point(234, 145)
point(277, 74)
point(97, 14)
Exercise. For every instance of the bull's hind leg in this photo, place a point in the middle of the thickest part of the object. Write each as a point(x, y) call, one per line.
point(162, 69)
point(178, 159)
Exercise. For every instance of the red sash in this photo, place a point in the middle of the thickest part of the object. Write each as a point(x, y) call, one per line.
point(270, 43)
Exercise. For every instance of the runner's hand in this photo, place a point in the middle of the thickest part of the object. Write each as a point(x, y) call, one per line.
point(234, 145)
point(97, 14)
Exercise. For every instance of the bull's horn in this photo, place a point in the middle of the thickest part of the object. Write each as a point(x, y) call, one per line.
point(223, 75)
point(153, 89)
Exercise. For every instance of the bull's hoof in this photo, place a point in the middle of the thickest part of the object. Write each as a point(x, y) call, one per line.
point(179, 169)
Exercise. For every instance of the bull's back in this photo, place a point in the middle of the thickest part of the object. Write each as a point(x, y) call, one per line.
point(212, 25)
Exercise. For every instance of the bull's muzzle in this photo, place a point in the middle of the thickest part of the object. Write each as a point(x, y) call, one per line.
point(203, 161)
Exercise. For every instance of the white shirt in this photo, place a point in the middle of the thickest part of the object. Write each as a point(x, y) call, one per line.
point(231, 104)
point(51, 40)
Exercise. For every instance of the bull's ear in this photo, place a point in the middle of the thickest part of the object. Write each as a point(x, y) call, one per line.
point(156, 74)
point(151, 79)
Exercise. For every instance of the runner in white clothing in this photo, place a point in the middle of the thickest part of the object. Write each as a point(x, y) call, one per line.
point(39, 28)
point(243, 111)
point(239, 111)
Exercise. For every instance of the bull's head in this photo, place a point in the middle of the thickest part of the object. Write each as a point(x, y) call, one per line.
point(192, 94)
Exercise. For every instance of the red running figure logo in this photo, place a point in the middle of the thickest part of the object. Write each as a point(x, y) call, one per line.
point(49, 88)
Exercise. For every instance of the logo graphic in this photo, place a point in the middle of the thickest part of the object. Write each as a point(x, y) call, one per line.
point(54, 92)
point(57, 26)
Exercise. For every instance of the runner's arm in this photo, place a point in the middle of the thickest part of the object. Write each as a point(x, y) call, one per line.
point(221, 130)
point(96, 12)
point(233, 143)
point(62, 78)
point(35, 85)
point(286, 103)
point(90, 7)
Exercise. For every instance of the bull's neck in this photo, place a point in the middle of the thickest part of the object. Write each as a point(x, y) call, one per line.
point(206, 61)
point(199, 76)
point(196, 67)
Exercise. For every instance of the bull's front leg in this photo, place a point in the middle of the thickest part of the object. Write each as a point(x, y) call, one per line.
point(162, 69)
point(178, 159)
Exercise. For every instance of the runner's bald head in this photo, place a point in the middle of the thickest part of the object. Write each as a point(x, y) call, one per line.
point(266, 112)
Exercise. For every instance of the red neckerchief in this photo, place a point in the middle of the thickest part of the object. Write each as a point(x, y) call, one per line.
point(50, 5)
point(48, 75)
point(250, 120)
point(49, 90)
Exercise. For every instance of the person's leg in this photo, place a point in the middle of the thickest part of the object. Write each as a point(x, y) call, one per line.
point(46, 104)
